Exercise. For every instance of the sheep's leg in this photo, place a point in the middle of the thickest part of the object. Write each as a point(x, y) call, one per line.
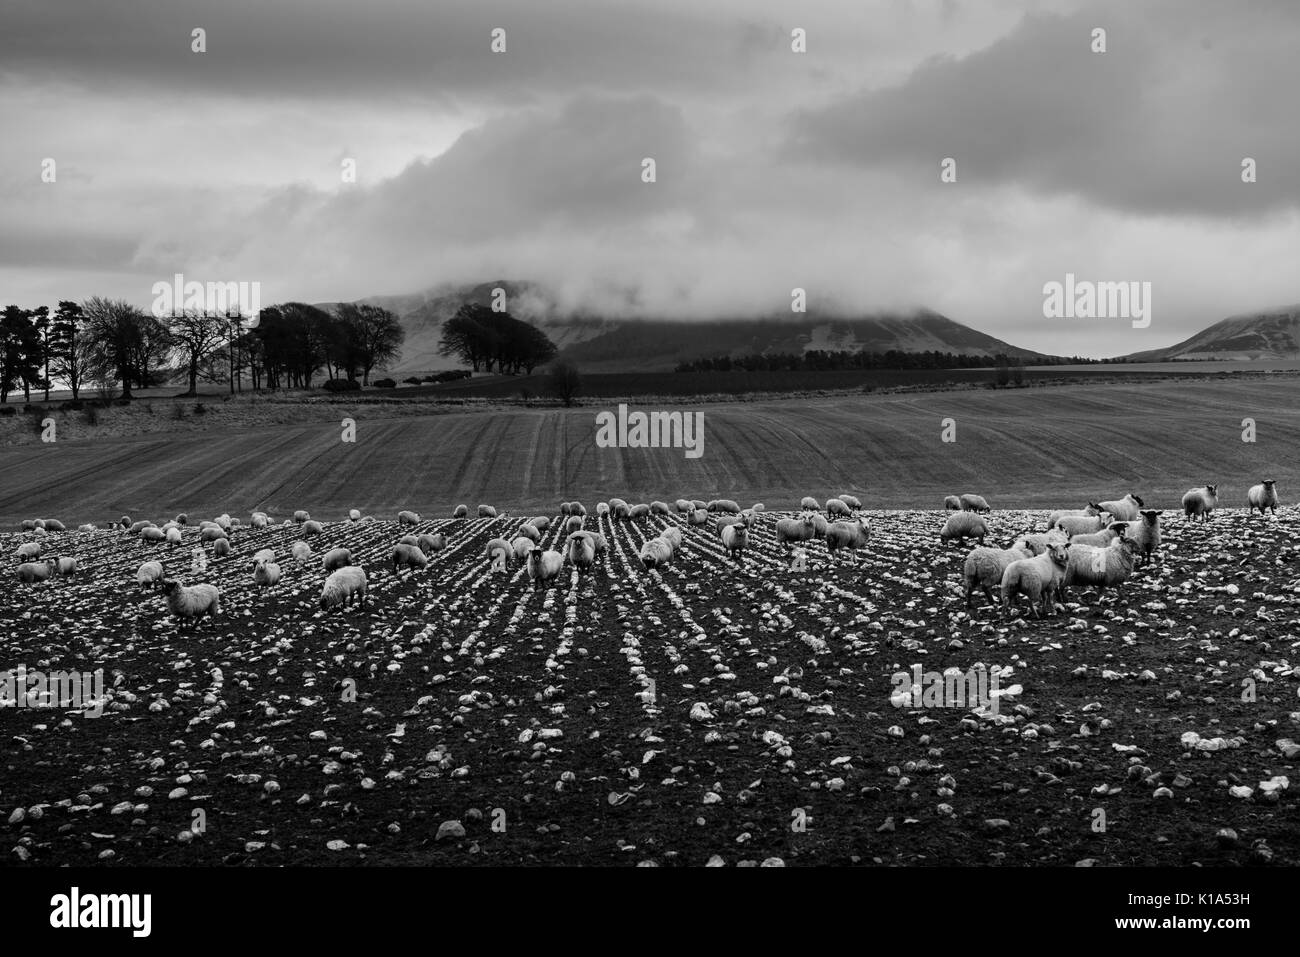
point(988, 592)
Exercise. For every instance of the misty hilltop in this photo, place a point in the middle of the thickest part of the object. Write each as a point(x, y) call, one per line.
point(1274, 334)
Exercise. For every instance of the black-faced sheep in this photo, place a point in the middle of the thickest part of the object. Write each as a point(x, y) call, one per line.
point(1263, 496)
point(543, 565)
point(1124, 509)
point(735, 539)
point(1200, 502)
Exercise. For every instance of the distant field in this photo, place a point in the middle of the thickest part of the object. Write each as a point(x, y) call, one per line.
point(1021, 448)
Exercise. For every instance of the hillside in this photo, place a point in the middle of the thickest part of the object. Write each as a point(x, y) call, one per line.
point(1267, 335)
point(601, 344)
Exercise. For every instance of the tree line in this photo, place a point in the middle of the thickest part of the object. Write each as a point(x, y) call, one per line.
point(488, 340)
point(109, 344)
point(818, 360)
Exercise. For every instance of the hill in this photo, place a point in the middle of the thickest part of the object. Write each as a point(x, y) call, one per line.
point(1266, 335)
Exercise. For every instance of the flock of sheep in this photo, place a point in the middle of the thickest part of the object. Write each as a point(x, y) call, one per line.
point(1098, 545)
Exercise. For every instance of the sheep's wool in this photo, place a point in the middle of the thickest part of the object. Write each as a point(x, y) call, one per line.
point(1099, 563)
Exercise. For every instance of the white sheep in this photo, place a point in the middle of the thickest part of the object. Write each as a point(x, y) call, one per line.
point(260, 520)
point(735, 539)
point(265, 572)
point(487, 511)
point(749, 517)
point(851, 501)
point(1124, 509)
point(264, 555)
point(655, 553)
point(182, 519)
point(29, 572)
point(1262, 496)
point(580, 550)
point(602, 508)
point(134, 527)
point(86, 528)
point(1200, 502)
point(620, 509)
point(659, 508)
point(836, 507)
point(961, 525)
point(684, 506)
point(577, 508)
point(530, 532)
point(544, 565)
point(54, 525)
point(431, 544)
point(39, 532)
point(521, 546)
point(407, 518)
point(173, 536)
point(1146, 533)
point(851, 535)
point(758, 507)
point(28, 550)
point(342, 586)
point(301, 515)
point(809, 504)
point(336, 558)
point(153, 534)
point(1037, 542)
point(150, 573)
point(310, 528)
point(301, 551)
point(697, 517)
point(724, 521)
point(564, 510)
point(639, 511)
point(973, 503)
point(573, 524)
point(540, 522)
point(28, 524)
point(221, 548)
point(66, 566)
point(672, 535)
point(1101, 567)
point(1037, 578)
point(191, 601)
point(408, 540)
point(460, 511)
point(1082, 524)
point(354, 514)
point(820, 525)
point(724, 505)
point(209, 533)
point(410, 556)
point(790, 531)
point(498, 553)
point(984, 567)
point(1093, 510)
point(1102, 538)
point(952, 503)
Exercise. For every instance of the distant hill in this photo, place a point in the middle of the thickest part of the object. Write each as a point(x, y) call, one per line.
point(1263, 335)
point(600, 344)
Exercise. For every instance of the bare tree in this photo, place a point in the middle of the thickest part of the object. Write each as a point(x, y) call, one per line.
point(196, 338)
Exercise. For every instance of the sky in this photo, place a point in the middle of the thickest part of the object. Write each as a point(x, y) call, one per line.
point(774, 169)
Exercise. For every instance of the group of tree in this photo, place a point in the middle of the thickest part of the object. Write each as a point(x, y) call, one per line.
point(817, 360)
point(110, 343)
point(489, 341)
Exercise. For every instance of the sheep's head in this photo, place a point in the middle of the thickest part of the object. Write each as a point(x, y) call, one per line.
point(170, 585)
point(1150, 515)
point(1212, 489)
point(1136, 498)
point(1059, 552)
point(1096, 509)
point(1269, 483)
point(1119, 528)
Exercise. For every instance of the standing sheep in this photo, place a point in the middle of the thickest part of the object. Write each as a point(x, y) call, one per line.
point(1125, 509)
point(1093, 510)
point(965, 524)
point(951, 503)
point(221, 548)
point(342, 586)
point(791, 531)
point(1037, 542)
point(984, 567)
point(1102, 538)
point(809, 504)
point(1262, 496)
point(1102, 567)
point(301, 515)
point(580, 551)
point(1082, 524)
point(431, 544)
point(301, 551)
point(837, 508)
point(1200, 502)
point(406, 518)
point(1146, 533)
point(460, 511)
point(697, 517)
point(851, 501)
point(150, 573)
point(573, 524)
point(655, 553)
point(173, 537)
point(487, 511)
point(541, 523)
point(336, 558)
point(543, 566)
point(354, 515)
point(1037, 578)
point(851, 535)
point(310, 528)
point(66, 566)
point(30, 572)
point(659, 508)
point(265, 572)
point(28, 550)
point(154, 534)
point(410, 556)
point(191, 601)
point(521, 546)
point(974, 503)
point(735, 539)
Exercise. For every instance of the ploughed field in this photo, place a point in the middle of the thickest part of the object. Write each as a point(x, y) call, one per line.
point(710, 711)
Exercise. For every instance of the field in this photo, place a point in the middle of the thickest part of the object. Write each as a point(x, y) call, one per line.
point(713, 712)
point(1021, 448)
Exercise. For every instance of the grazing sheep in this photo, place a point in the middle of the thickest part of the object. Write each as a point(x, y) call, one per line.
point(135, 527)
point(1082, 524)
point(29, 572)
point(498, 554)
point(487, 511)
point(301, 516)
point(125, 521)
point(986, 566)
point(683, 506)
point(431, 544)
point(573, 524)
point(1102, 567)
point(602, 508)
point(541, 523)
point(301, 551)
point(310, 528)
point(28, 525)
point(851, 501)
point(564, 510)
point(659, 508)
point(173, 536)
point(580, 550)
point(1263, 496)
point(1037, 542)
point(54, 525)
point(1103, 538)
point(221, 548)
point(266, 573)
point(725, 521)
point(961, 525)
point(182, 519)
point(598, 540)
point(408, 540)
point(407, 518)
point(209, 533)
point(1200, 502)
point(1146, 533)
point(700, 503)
point(724, 505)
point(952, 503)
point(521, 546)
point(809, 504)
point(697, 517)
point(410, 556)
point(758, 507)
point(153, 534)
point(639, 511)
point(673, 536)
point(1093, 510)
point(655, 553)
point(837, 507)
point(1037, 578)
point(1124, 509)
point(335, 559)
point(28, 550)
point(973, 503)
point(86, 528)
point(264, 555)
point(342, 586)
point(461, 511)
point(577, 508)
point(260, 520)
point(851, 535)
point(792, 530)
point(820, 525)
point(65, 566)
point(150, 573)
point(191, 601)
point(544, 565)
point(735, 539)
point(620, 509)
point(529, 532)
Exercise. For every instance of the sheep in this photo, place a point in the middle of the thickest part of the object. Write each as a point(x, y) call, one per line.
point(1082, 524)
point(564, 510)
point(602, 508)
point(301, 516)
point(541, 523)
point(758, 507)
point(342, 586)
point(726, 521)
point(54, 525)
point(577, 508)
point(431, 544)
point(835, 506)
point(1146, 533)
point(749, 517)
point(1262, 496)
point(410, 556)
point(191, 601)
point(580, 550)
point(153, 534)
point(971, 502)
point(209, 533)
point(460, 511)
point(820, 525)
point(182, 519)
point(1125, 509)
point(173, 536)
point(544, 565)
point(310, 528)
point(66, 566)
point(221, 548)
point(850, 535)
point(724, 505)
point(487, 511)
point(684, 506)
point(31, 572)
point(521, 546)
point(809, 504)
point(134, 527)
point(125, 521)
point(28, 550)
point(792, 530)
point(700, 503)
point(986, 566)
point(39, 523)
point(260, 520)
point(266, 573)
point(1037, 578)
point(301, 551)
point(655, 553)
point(408, 540)
point(39, 531)
point(659, 508)
point(673, 536)
point(964, 524)
point(168, 526)
point(1037, 542)
point(620, 509)
point(851, 501)
point(697, 517)
point(735, 539)
point(529, 532)
point(336, 558)
point(150, 573)
point(1102, 538)
point(86, 528)
point(639, 511)
point(1200, 502)
point(498, 553)
point(1092, 510)
point(264, 555)
point(354, 514)
point(28, 525)
point(573, 524)
point(408, 518)
point(1101, 567)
